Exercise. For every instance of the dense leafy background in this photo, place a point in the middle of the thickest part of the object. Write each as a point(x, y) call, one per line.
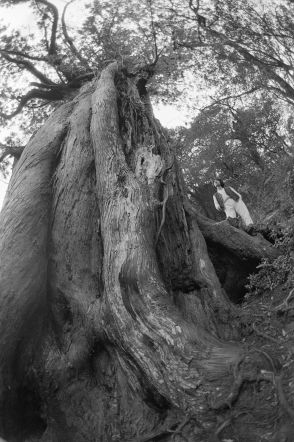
point(234, 72)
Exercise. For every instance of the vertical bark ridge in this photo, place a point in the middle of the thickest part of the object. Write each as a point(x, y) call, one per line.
point(130, 270)
point(75, 265)
point(75, 246)
point(24, 228)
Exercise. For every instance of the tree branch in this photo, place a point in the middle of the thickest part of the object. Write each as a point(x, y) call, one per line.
point(69, 40)
point(229, 97)
point(28, 66)
point(54, 11)
point(248, 56)
point(280, 94)
point(255, 61)
point(276, 62)
point(51, 95)
point(193, 8)
point(22, 54)
point(153, 31)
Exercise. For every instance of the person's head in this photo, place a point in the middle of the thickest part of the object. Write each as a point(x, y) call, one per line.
point(218, 182)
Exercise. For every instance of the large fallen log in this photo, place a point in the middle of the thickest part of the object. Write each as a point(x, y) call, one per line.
point(234, 253)
point(237, 241)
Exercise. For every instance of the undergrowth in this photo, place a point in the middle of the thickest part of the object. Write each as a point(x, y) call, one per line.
point(274, 272)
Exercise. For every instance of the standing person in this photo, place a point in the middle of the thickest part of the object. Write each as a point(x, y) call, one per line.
point(230, 201)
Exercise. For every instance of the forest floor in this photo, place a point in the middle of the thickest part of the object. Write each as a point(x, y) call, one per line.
point(264, 409)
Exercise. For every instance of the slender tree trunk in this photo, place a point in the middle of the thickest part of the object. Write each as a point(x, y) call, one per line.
point(113, 322)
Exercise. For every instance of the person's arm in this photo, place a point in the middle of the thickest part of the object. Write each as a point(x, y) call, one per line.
point(240, 196)
point(217, 206)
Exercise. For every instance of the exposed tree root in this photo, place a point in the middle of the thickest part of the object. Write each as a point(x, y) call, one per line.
point(284, 306)
point(173, 430)
point(215, 436)
point(245, 370)
point(281, 395)
point(156, 434)
point(255, 375)
point(264, 335)
point(180, 428)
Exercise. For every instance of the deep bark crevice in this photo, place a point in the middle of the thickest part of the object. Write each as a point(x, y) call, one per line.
point(232, 271)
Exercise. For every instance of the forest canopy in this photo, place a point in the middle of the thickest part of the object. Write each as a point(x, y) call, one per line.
point(237, 55)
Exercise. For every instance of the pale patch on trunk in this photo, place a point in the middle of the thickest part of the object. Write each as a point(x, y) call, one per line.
point(148, 165)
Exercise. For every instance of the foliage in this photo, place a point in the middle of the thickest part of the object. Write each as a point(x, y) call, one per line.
point(249, 43)
point(49, 65)
point(250, 147)
point(270, 275)
point(242, 52)
point(239, 46)
point(273, 273)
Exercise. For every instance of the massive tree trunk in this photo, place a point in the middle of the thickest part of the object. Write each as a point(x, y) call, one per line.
point(113, 322)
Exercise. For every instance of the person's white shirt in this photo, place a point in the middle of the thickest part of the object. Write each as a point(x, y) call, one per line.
point(229, 203)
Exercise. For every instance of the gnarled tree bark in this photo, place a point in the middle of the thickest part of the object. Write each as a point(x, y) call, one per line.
point(113, 322)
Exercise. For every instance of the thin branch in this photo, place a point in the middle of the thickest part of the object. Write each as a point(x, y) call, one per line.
point(35, 94)
point(53, 92)
point(229, 97)
point(264, 335)
point(285, 303)
point(75, 83)
point(280, 94)
point(187, 17)
point(69, 40)
point(22, 54)
point(46, 37)
point(45, 85)
point(44, 28)
point(193, 8)
point(263, 67)
point(153, 31)
point(276, 62)
point(28, 66)
point(194, 44)
point(54, 11)
point(255, 61)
